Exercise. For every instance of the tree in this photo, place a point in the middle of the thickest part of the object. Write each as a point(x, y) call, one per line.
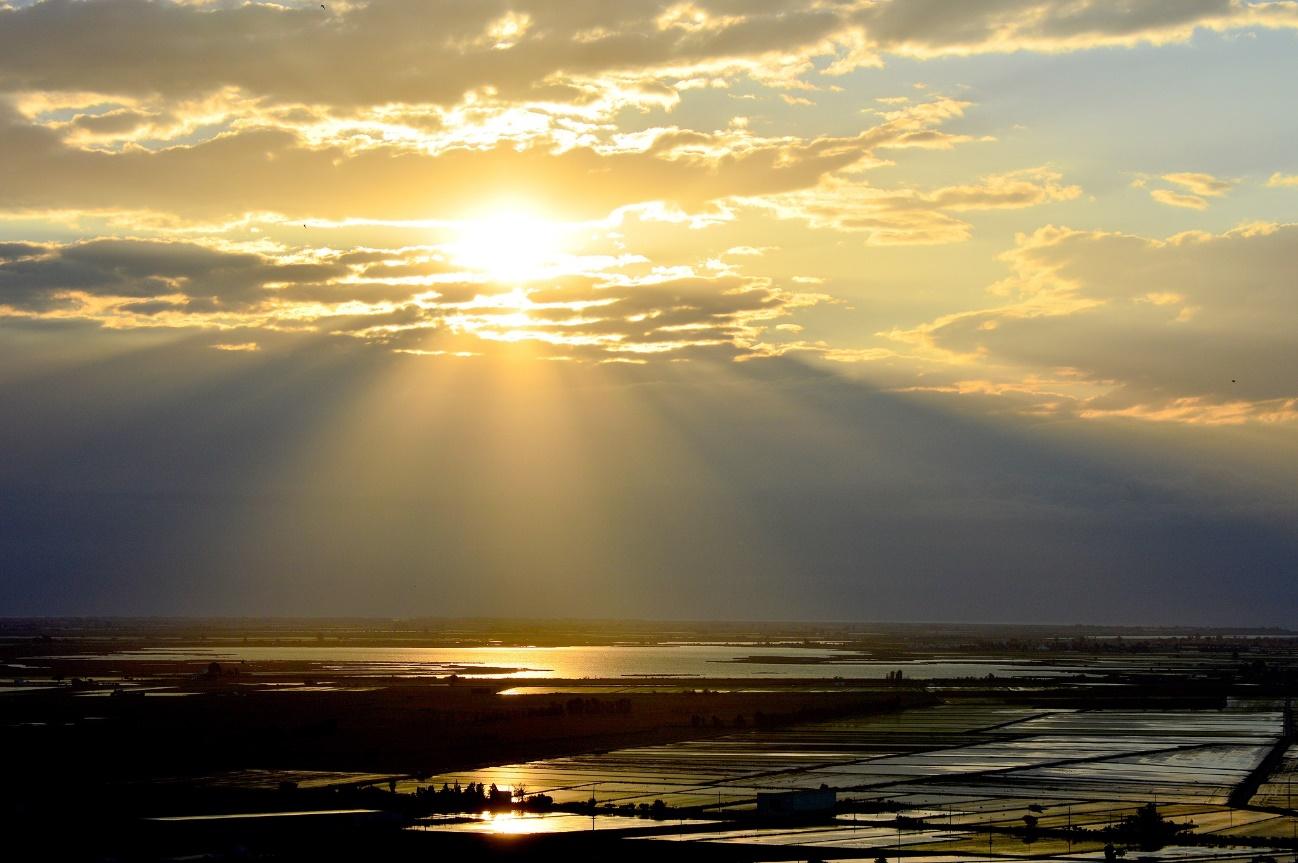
point(1149, 828)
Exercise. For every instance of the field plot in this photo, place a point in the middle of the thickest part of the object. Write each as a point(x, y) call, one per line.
point(1277, 790)
point(1171, 757)
point(1239, 725)
point(951, 780)
point(729, 770)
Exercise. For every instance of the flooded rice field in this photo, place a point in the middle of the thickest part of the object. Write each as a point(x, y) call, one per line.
point(940, 745)
point(1277, 790)
point(941, 783)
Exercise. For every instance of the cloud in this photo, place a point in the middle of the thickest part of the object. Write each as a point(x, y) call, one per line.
point(1198, 188)
point(1278, 180)
point(1179, 199)
point(380, 53)
point(79, 274)
point(1193, 328)
point(15, 251)
point(932, 28)
point(1201, 184)
point(404, 299)
point(384, 52)
point(274, 170)
point(916, 217)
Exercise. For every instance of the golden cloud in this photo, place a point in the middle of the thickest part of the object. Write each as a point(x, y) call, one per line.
point(1195, 327)
point(1179, 199)
point(910, 216)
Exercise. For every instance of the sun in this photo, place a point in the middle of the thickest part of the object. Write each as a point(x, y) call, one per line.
point(508, 245)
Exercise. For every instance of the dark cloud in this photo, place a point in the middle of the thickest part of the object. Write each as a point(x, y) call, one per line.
point(152, 307)
point(144, 268)
point(583, 316)
point(14, 251)
point(111, 122)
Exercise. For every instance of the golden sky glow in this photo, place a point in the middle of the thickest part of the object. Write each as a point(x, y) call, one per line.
point(638, 244)
point(844, 182)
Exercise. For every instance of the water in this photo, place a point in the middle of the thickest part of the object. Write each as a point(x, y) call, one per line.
point(305, 813)
point(691, 661)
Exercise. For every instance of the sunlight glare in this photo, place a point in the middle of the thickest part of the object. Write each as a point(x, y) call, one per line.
point(508, 245)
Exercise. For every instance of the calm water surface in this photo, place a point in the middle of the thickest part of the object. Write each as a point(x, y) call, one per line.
point(598, 661)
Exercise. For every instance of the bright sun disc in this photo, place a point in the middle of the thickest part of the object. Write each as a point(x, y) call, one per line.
point(507, 246)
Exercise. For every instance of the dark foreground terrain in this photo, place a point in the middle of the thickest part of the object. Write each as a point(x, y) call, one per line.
point(127, 740)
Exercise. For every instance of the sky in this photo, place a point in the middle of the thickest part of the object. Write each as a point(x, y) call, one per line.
point(740, 309)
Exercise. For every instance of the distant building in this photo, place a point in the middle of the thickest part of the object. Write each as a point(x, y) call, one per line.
point(801, 802)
